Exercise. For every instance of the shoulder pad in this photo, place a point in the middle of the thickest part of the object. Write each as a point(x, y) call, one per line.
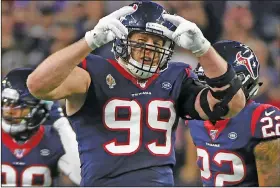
point(265, 122)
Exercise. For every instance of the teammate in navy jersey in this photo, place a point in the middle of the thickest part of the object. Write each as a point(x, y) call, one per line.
point(125, 111)
point(243, 150)
point(34, 153)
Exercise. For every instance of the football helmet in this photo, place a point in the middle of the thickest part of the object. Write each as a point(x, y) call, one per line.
point(243, 60)
point(21, 112)
point(146, 19)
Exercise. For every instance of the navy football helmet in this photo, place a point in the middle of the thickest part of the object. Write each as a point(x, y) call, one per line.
point(146, 19)
point(21, 112)
point(243, 60)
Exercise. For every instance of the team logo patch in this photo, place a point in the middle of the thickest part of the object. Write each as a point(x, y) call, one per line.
point(110, 81)
point(166, 85)
point(44, 152)
point(245, 61)
point(19, 153)
point(213, 134)
point(232, 135)
point(142, 83)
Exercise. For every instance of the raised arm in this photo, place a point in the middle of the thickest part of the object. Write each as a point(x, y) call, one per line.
point(220, 74)
point(58, 75)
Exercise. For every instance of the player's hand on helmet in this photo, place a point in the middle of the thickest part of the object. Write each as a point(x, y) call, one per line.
point(188, 35)
point(108, 28)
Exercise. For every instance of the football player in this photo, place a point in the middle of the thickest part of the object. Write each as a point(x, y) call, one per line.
point(243, 150)
point(125, 111)
point(33, 153)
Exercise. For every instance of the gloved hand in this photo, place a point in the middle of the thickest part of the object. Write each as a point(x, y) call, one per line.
point(188, 35)
point(108, 28)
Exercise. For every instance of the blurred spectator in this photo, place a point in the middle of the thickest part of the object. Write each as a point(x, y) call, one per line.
point(94, 11)
point(202, 14)
point(77, 9)
point(238, 24)
point(39, 37)
point(199, 12)
point(92, 19)
point(274, 47)
point(111, 6)
point(64, 33)
point(12, 54)
point(190, 172)
point(267, 14)
point(186, 171)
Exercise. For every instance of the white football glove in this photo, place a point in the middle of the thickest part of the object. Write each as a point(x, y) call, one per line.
point(188, 35)
point(108, 28)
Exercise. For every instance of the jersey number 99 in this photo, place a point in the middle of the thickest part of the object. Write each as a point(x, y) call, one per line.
point(134, 126)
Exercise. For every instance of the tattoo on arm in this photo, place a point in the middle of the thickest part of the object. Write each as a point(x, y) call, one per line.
point(267, 156)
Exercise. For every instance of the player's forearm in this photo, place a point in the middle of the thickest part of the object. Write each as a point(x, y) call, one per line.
point(55, 69)
point(268, 163)
point(213, 64)
point(236, 104)
point(219, 74)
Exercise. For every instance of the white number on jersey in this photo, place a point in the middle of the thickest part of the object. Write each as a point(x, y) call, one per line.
point(238, 167)
point(10, 176)
point(133, 125)
point(268, 130)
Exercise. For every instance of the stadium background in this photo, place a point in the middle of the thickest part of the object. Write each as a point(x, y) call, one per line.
point(31, 30)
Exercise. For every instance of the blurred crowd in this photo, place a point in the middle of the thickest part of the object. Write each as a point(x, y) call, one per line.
point(32, 30)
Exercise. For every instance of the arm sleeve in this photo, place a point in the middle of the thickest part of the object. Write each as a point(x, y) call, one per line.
point(265, 123)
point(69, 163)
point(65, 164)
point(186, 100)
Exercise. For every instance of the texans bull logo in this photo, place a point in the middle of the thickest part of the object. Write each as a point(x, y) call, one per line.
point(246, 61)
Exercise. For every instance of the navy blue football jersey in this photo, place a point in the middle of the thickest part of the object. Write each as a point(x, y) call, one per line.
point(226, 151)
point(33, 163)
point(126, 128)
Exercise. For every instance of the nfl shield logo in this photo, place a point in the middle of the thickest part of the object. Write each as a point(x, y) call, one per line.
point(142, 84)
point(19, 153)
point(213, 134)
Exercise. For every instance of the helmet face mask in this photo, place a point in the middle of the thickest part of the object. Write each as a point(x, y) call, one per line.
point(243, 61)
point(146, 20)
point(22, 114)
point(13, 113)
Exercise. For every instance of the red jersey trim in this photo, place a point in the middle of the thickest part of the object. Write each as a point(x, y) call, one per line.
point(9, 142)
point(188, 71)
point(219, 127)
point(130, 77)
point(84, 64)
